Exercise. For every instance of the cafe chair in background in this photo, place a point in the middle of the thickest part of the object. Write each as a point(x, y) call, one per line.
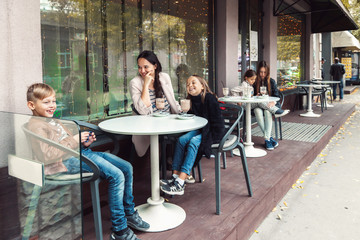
point(277, 120)
point(93, 178)
point(232, 115)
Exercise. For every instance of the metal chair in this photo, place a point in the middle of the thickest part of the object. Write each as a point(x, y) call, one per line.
point(232, 115)
point(277, 120)
point(63, 179)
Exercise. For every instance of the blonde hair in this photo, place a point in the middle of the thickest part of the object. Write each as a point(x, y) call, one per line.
point(205, 86)
point(39, 91)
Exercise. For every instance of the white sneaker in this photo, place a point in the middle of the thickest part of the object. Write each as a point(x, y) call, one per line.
point(190, 179)
point(286, 111)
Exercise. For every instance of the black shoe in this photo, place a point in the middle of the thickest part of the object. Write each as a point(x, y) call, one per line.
point(173, 188)
point(135, 221)
point(127, 235)
point(164, 182)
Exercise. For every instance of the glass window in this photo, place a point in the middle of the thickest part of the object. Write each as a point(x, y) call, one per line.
point(90, 49)
point(289, 44)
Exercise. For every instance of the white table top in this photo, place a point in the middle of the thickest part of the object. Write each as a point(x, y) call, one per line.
point(311, 85)
point(325, 82)
point(151, 125)
point(256, 99)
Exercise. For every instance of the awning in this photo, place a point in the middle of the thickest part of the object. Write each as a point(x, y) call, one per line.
point(326, 15)
point(344, 40)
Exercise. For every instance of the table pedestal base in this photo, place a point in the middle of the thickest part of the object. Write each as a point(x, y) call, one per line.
point(161, 216)
point(327, 105)
point(310, 114)
point(250, 151)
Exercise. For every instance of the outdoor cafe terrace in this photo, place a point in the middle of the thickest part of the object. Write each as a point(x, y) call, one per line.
point(271, 178)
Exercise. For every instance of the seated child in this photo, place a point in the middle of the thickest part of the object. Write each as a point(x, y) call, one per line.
point(249, 80)
point(42, 102)
point(191, 146)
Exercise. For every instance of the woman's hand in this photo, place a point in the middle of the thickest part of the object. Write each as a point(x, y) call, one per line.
point(148, 80)
point(271, 104)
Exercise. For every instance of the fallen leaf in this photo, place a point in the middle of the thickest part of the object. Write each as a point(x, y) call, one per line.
point(278, 217)
point(256, 231)
point(285, 204)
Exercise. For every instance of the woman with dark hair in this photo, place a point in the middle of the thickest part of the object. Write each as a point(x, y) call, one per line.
point(151, 83)
point(264, 116)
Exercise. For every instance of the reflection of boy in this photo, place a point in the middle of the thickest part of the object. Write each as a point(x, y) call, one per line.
point(42, 102)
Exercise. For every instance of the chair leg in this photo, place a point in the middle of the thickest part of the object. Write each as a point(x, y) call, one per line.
point(200, 172)
point(95, 198)
point(34, 200)
point(193, 172)
point(224, 160)
point(276, 129)
point(245, 168)
point(217, 182)
point(244, 128)
point(280, 128)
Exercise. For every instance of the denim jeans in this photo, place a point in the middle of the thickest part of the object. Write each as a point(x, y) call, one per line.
point(264, 119)
point(341, 89)
point(119, 173)
point(186, 149)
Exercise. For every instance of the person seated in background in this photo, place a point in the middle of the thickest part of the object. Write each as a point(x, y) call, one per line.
point(42, 102)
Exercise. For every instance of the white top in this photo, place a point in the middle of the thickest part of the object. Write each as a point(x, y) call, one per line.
point(256, 99)
point(151, 125)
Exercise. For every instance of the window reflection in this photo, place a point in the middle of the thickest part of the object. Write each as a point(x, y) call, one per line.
point(289, 51)
point(90, 49)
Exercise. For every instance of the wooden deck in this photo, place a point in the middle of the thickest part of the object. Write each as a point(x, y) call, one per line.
point(271, 178)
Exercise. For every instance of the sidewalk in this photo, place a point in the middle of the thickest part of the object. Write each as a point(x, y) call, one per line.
point(324, 203)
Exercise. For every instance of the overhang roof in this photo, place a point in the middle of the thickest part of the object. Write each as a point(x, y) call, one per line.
point(326, 15)
point(344, 40)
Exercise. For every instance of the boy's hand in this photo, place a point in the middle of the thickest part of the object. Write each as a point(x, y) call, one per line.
point(87, 138)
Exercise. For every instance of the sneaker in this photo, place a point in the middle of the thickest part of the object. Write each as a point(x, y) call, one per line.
point(128, 235)
point(268, 145)
point(190, 179)
point(166, 181)
point(135, 221)
point(173, 188)
point(281, 113)
point(273, 142)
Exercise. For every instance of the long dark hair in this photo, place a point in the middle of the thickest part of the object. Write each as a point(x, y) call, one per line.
point(152, 58)
point(249, 73)
point(258, 83)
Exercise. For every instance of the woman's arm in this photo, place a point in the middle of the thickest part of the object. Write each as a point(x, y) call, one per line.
point(136, 92)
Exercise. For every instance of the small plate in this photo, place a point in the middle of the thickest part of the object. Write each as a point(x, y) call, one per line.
point(185, 116)
point(163, 114)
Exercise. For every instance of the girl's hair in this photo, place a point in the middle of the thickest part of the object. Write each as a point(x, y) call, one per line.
point(205, 90)
point(152, 58)
point(258, 83)
point(39, 91)
point(249, 73)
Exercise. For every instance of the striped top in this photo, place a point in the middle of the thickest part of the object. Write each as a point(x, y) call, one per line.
point(153, 103)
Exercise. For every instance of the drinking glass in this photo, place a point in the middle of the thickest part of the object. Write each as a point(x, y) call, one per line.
point(185, 105)
point(160, 104)
point(225, 91)
point(263, 90)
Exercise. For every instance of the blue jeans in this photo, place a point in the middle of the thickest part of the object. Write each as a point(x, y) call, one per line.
point(119, 173)
point(341, 89)
point(186, 149)
point(264, 119)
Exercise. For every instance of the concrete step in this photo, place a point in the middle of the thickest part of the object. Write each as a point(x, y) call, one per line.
point(349, 89)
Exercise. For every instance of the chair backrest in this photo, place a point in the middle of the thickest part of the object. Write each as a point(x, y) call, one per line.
point(232, 115)
point(34, 141)
point(281, 95)
point(134, 109)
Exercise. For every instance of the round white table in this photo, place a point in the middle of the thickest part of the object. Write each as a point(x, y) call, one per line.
point(160, 215)
point(250, 150)
point(309, 112)
point(324, 83)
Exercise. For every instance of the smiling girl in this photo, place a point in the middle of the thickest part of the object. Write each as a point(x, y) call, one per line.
point(193, 145)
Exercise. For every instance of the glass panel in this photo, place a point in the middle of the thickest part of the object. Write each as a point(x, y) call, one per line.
point(289, 50)
point(90, 49)
point(37, 198)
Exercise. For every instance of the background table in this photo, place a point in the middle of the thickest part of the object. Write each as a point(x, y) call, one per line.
point(250, 151)
point(323, 83)
point(161, 216)
point(309, 112)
